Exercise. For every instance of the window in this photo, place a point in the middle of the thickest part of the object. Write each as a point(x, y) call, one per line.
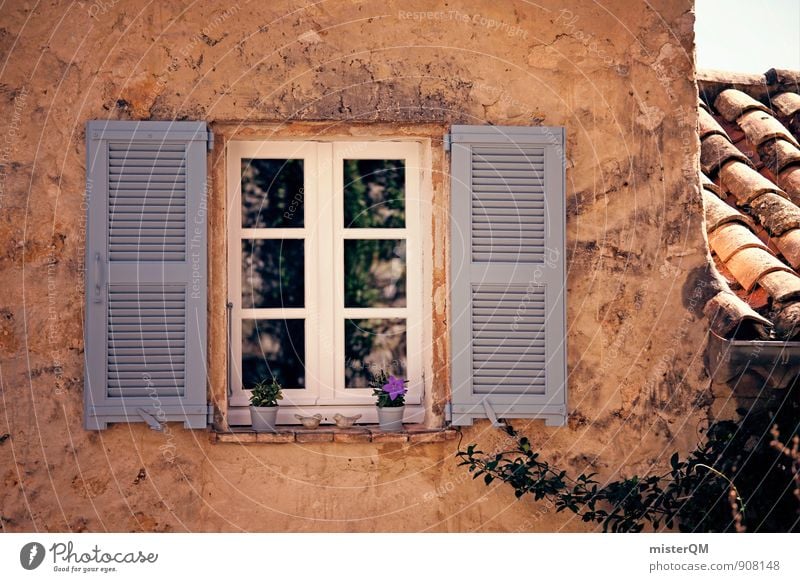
point(327, 259)
point(325, 273)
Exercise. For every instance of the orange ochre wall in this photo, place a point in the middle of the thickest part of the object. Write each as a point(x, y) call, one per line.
point(618, 75)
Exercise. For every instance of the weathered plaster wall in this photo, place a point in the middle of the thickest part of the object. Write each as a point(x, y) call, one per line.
point(617, 74)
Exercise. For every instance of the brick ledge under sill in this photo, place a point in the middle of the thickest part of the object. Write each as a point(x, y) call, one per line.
point(411, 433)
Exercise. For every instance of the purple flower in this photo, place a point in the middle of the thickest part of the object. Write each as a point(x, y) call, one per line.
point(394, 387)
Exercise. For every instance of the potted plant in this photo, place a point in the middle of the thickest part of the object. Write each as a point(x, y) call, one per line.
point(264, 404)
point(390, 392)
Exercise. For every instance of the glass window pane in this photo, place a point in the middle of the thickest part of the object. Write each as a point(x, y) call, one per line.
point(272, 193)
point(374, 273)
point(274, 347)
point(374, 193)
point(371, 345)
point(272, 273)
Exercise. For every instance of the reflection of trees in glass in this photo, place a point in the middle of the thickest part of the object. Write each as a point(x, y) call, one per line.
point(273, 347)
point(272, 193)
point(372, 345)
point(374, 193)
point(272, 273)
point(374, 273)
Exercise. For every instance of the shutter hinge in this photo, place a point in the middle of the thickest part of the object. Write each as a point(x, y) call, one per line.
point(210, 141)
point(448, 412)
point(210, 413)
point(447, 142)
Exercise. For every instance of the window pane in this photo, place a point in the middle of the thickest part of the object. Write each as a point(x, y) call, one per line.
point(374, 193)
point(371, 345)
point(272, 193)
point(374, 273)
point(274, 347)
point(272, 273)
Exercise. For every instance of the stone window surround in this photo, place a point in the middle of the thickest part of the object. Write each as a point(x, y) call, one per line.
point(411, 433)
point(436, 368)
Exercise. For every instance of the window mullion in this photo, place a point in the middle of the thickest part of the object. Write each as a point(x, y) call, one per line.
point(324, 257)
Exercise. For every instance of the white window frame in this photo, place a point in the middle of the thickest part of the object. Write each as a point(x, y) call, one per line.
point(324, 310)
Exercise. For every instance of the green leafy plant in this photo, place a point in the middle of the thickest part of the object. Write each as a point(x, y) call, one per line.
point(267, 392)
point(737, 479)
point(390, 391)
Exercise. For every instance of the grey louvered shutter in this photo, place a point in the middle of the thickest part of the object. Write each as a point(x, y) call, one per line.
point(507, 274)
point(145, 328)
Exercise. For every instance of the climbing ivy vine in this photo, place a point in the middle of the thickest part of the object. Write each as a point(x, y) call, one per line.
point(740, 478)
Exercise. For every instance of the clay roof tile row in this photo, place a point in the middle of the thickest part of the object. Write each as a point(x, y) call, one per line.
point(752, 214)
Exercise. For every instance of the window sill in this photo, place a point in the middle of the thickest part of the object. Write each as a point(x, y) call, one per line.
point(411, 433)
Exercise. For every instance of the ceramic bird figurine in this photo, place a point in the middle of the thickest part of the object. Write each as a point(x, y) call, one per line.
point(309, 421)
point(345, 421)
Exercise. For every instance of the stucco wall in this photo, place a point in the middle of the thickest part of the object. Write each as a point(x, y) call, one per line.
point(617, 74)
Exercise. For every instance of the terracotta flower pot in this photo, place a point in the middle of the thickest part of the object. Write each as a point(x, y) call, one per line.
point(391, 418)
point(264, 418)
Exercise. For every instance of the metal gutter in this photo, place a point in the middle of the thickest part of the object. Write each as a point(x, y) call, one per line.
point(777, 362)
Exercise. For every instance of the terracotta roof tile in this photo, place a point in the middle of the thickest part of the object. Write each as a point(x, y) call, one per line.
point(759, 126)
point(731, 317)
point(708, 184)
point(752, 210)
point(786, 104)
point(735, 133)
point(729, 278)
point(764, 171)
point(744, 182)
point(794, 125)
point(777, 154)
point(718, 212)
point(750, 151)
point(789, 246)
point(789, 180)
point(731, 238)
point(775, 213)
point(751, 264)
point(716, 151)
point(709, 125)
point(732, 104)
point(782, 286)
point(766, 238)
point(787, 321)
point(782, 77)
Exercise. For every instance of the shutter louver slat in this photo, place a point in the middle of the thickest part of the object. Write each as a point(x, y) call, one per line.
point(146, 273)
point(516, 200)
point(147, 369)
point(518, 313)
point(507, 264)
point(147, 183)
